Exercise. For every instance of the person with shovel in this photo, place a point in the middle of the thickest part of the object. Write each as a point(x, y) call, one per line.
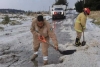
point(41, 29)
point(80, 24)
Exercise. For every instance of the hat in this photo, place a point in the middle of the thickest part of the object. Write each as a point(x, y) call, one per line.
point(40, 18)
point(87, 10)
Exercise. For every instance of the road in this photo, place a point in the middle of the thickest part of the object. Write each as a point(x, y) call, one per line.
point(16, 44)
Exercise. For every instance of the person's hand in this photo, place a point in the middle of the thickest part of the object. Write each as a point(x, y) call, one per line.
point(56, 47)
point(42, 38)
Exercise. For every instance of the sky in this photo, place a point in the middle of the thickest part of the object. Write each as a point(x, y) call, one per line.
point(33, 5)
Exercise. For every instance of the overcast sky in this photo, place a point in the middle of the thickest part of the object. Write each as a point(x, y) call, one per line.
point(34, 5)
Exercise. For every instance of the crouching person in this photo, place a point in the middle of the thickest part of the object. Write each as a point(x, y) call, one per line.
point(41, 27)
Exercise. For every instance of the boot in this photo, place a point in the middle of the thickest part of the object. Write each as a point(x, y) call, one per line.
point(77, 42)
point(34, 57)
point(45, 62)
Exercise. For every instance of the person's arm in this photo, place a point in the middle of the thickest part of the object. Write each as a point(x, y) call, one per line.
point(83, 22)
point(32, 29)
point(52, 35)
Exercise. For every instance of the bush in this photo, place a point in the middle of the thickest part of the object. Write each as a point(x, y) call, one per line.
point(6, 20)
point(14, 22)
point(1, 28)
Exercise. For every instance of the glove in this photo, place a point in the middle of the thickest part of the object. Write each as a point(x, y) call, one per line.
point(42, 38)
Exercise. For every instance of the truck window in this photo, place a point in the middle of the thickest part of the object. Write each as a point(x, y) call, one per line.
point(58, 8)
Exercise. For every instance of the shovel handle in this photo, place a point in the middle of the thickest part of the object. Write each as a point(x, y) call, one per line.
point(42, 38)
point(53, 47)
point(83, 32)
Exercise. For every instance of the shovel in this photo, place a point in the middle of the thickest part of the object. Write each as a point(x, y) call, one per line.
point(83, 42)
point(66, 52)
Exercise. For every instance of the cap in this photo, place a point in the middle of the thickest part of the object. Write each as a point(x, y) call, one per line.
point(40, 18)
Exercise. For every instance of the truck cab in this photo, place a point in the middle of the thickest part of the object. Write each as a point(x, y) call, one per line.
point(58, 11)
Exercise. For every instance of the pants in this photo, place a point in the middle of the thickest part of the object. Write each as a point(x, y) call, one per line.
point(44, 46)
point(79, 34)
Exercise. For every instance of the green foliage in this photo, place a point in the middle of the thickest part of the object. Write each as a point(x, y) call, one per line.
point(92, 4)
point(1, 28)
point(6, 20)
point(61, 2)
point(79, 6)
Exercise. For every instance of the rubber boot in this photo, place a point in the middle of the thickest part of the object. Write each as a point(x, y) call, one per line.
point(34, 57)
point(45, 62)
point(77, 42)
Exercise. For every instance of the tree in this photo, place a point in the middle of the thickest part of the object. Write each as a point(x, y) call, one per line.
point(61, 2)
point(79, 6)
point(92, 4)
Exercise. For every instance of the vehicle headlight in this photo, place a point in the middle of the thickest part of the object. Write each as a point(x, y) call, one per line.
point(52, 12)
point(62, 12)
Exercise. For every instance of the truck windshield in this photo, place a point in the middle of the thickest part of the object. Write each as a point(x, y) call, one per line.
point(58, 8)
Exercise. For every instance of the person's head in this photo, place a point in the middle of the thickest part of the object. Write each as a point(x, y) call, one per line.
point(40, 22)
point(86, 11)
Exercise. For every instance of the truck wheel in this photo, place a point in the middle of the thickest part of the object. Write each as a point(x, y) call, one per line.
point(53, 17)
point(64, 17)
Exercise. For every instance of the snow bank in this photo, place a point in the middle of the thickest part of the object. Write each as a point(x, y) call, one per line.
point(85, 56)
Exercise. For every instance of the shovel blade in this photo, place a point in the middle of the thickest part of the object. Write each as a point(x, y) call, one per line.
point(83, 43)
point(67, 52)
